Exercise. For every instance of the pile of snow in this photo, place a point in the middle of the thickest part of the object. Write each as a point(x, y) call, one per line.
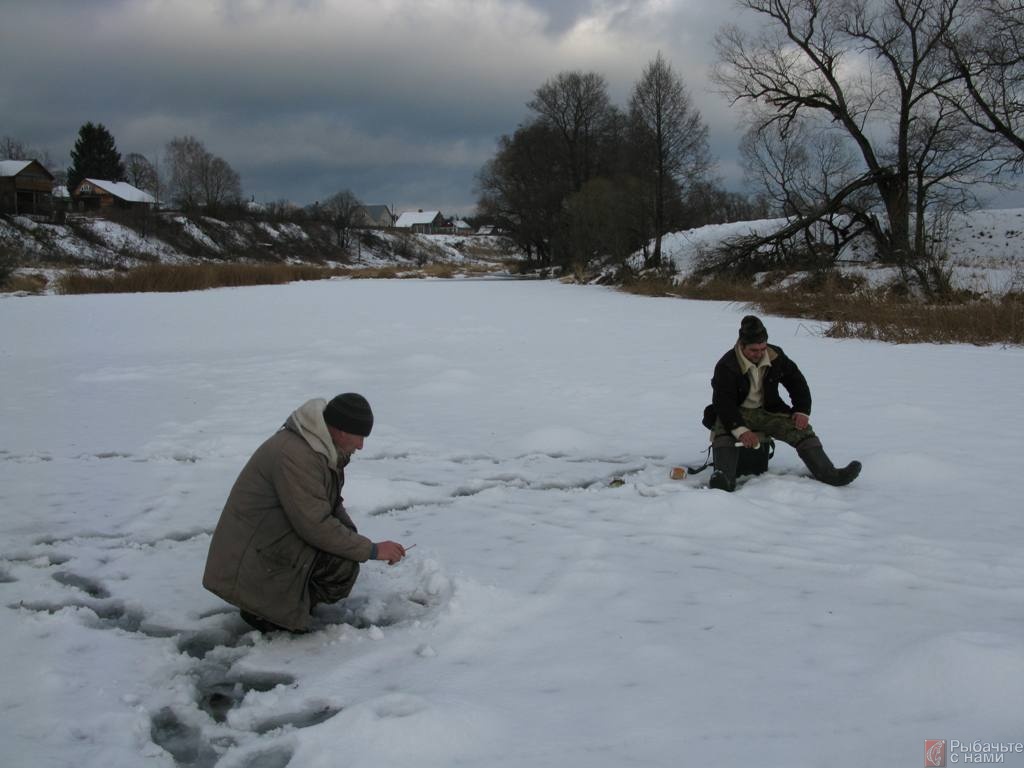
point(547, 615)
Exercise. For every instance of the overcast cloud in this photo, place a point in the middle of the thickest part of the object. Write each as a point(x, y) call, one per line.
point(400, 101)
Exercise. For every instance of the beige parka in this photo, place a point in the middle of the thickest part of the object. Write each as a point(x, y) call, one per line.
point(283, 509)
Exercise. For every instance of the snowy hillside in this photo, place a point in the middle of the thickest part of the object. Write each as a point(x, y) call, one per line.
point(986, 248)
point(176, 239)
point(547, 616)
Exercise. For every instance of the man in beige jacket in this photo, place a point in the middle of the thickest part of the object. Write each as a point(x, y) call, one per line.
point(284, 541)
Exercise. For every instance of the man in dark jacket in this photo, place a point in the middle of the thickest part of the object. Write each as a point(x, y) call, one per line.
point(284, 541)
point(745, 402)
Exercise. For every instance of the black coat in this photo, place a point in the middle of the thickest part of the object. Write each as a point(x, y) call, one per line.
point(730, 387)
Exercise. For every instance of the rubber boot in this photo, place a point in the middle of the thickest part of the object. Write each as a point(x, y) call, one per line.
point(724, 476)
point(814, 456)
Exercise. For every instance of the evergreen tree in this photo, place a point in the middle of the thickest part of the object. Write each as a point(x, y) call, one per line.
point(95, 156)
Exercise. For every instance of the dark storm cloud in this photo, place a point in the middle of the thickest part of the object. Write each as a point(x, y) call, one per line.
point(400, 101)
point(561, 15)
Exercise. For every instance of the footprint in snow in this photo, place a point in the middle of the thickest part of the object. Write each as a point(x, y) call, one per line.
point(91, 587)
point(184, 742)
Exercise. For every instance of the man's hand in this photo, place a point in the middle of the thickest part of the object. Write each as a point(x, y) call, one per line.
point(801, 420)
point(749, 439)
point(391, 551)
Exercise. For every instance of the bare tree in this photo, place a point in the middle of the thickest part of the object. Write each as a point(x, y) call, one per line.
point(603, 223)
point(141, 173)
point(988, 54)
point(198, 178)
point(523, 187)
point(340, 210)
point(183, 156)
point(875, 70)
point(576, 105)
point(674, 133)
point(796, 167)
point(221, 184)
point(14, 149)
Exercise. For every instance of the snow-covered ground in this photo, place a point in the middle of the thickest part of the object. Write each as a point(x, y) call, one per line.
point(985, 249)
point(546, 617)
point(101, 243)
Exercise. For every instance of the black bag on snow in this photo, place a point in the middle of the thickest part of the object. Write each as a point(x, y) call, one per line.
point(754, 461)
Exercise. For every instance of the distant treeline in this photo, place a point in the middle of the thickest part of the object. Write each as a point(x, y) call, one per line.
point(865, 117)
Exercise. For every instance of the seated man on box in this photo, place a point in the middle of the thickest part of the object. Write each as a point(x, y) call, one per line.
point(745, 401)
point(284, 541)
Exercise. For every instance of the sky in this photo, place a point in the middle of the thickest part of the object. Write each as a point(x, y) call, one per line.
point(401, 102)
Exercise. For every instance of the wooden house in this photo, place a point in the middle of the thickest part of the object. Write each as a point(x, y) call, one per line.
point(98, 195)
point(374, 216)
point(425, 222)
point(25, 187)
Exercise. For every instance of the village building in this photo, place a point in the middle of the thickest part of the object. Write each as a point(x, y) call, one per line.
point(25, 187)
point(98, 195)
point(375, 216)
point(424, 222)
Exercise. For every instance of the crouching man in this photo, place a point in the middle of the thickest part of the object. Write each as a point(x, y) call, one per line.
point(745, 401)
point(284, 541)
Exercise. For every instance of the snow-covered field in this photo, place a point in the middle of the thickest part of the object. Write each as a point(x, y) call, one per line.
point(545, 617)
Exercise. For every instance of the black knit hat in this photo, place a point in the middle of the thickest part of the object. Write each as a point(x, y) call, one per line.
point(752, 331)
point(349, 413)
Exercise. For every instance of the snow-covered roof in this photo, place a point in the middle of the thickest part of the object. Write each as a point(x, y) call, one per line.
point(409, 218)
point(9, 168)
point(460, 224)
point(13, 167)
point(123, 190)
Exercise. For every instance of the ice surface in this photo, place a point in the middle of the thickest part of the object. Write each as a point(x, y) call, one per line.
point(547, 616)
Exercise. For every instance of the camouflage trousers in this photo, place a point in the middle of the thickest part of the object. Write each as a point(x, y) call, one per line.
point(777, 425)
point(332, 578)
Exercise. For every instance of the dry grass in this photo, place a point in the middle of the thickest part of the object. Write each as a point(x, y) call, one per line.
point(975, 322)
point(442, 270)
point(25, 283)
point(375, 273)
point(165, 278)
point(849, 310)
point(649, 286)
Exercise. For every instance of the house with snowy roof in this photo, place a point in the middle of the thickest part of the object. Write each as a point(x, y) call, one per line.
point(378, 216)
point(25, 187)
point(426, 222)
point(99, 194)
